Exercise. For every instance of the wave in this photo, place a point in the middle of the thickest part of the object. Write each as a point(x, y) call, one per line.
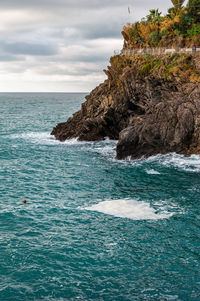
point(190, 164)
point(45, 138)
point(107, 147)
point(132, 209)
point(171, 160)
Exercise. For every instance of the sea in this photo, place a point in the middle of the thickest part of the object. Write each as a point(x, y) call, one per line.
point(92, 227)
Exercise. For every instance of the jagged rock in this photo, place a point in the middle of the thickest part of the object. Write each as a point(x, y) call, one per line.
point(171, 125)
point(104, 114)
point(149, 114)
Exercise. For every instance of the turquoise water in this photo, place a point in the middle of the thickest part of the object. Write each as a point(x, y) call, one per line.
point(93, 228)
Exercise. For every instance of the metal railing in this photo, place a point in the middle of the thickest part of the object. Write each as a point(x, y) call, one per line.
point(156, 51)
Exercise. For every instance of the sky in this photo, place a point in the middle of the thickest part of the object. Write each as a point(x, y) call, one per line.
point(62, 45)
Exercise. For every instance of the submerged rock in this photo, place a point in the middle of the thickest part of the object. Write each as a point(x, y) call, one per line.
point(149, 110)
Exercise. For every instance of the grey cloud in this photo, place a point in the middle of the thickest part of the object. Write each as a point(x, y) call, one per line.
point(78, 5)
point(84, 57)
point(72, 3)
point(68, 70)
point(72, 38)
point(10, 58)
point(97, 31)
point(29, 49)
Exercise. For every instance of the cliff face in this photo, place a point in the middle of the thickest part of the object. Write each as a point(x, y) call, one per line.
point(170, 123)
point(151, 104)
point(104, 114)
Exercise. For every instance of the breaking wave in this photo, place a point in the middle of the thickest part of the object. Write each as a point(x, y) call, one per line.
point(191, 164)
point(106, 148)
point(45, 138)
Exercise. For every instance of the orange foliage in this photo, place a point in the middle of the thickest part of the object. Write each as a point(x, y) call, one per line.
point(145, 29)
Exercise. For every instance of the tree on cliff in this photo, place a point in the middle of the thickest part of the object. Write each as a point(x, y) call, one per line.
point(176, 9)
point(154, 16)
point(178, 3)
point(180, 27)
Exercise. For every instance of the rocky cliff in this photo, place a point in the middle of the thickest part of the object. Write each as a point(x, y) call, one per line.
point(150, 104)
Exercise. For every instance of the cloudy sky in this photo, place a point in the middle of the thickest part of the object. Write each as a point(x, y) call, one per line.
point(62, 45)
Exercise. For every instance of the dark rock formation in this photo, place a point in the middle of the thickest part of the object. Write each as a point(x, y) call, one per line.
point(149, 114)
point(104, 114)
point(169, 125)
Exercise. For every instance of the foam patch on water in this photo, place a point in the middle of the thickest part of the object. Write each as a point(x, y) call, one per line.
point(45, 138)
point(131, 209)
point(152, 172)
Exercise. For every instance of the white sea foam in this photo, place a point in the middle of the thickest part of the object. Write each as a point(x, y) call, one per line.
point(191, 164)
point(131, 209)
point(44, 138)
point(152, 172)
point(105, 150)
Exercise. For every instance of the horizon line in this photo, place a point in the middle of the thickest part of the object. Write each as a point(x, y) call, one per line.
point(43, 92)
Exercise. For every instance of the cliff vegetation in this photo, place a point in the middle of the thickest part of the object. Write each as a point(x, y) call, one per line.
point(180, 27)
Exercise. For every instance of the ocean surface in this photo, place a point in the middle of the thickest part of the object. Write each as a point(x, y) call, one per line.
point(93, 228)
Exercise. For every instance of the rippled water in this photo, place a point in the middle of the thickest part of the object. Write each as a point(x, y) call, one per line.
point(93, 228)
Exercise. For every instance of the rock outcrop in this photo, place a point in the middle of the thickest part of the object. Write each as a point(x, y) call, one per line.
point(151, 105)
point(171, 123)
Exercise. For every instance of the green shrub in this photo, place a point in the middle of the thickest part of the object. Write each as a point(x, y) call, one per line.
point(177, 32)
point(155, 38)
point(194, 31)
